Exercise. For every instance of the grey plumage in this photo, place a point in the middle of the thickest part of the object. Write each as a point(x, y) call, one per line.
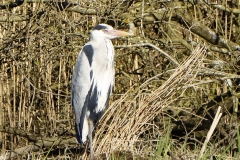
point(93, 80)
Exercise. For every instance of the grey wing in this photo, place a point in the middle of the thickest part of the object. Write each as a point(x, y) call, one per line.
point(80, 88)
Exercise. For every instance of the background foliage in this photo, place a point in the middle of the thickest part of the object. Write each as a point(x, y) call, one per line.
point(154, 95)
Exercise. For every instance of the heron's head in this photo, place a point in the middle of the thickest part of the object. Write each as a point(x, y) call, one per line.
point(104, 31)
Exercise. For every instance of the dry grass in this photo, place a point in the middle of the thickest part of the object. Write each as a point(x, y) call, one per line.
point(210, 132)
point(123, 124)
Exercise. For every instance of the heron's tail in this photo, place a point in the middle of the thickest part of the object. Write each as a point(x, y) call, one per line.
point(78, 133)
point(82, 130)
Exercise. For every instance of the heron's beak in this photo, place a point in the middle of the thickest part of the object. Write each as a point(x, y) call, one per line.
point(117, 33)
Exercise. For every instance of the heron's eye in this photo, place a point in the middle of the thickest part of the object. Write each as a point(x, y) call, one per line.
point(104, 30)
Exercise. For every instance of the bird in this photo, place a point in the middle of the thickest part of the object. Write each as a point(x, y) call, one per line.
point(93, 80)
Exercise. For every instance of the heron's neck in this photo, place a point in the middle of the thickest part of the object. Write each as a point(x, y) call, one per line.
point(98, 39)
point(110, 50)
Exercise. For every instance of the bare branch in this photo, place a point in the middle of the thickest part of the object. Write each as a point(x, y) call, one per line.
point(10, 130)
point(205, 32)
point(150, 45)
point(14, 18)
point(46, 142)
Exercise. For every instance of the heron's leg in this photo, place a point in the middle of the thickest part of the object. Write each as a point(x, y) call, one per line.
point(90, 124)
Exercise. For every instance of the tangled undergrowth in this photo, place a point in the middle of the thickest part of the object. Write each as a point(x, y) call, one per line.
point(181, 64)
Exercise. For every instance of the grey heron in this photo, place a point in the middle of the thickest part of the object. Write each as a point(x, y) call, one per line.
point(93, 80)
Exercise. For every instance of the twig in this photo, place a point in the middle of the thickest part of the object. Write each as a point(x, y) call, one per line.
point(212, 72)
point(142, 19)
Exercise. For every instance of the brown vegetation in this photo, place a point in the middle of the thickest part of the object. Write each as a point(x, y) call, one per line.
point(181, 85)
